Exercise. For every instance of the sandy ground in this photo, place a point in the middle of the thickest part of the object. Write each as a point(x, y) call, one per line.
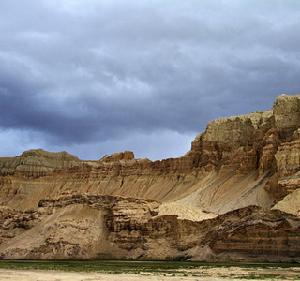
point(184, 211)
point(35, 275)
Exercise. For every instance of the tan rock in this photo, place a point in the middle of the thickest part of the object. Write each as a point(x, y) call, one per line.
point(290, 204)
point(126, 155)
point(287, 114)
point(234, 195)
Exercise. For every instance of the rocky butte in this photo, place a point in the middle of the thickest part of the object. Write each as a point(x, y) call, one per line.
point(234, 196)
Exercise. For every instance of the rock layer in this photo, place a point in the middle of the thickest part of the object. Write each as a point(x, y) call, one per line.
point(86, 226)
point(234, 195)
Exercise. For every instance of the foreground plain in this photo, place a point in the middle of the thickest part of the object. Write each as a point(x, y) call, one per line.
point(143, 270)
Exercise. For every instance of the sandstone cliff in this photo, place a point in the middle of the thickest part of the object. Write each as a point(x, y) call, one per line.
point(234, 195)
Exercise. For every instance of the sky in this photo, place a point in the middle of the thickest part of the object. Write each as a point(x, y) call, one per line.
point(93, 77)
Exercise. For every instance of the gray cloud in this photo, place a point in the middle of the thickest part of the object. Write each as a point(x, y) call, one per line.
point(84, 75)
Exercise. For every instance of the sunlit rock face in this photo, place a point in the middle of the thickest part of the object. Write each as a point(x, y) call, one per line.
point(287, 114)
point(234, 195)
point(37, 163)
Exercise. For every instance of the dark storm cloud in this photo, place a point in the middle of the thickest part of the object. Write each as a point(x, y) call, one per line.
point(81, 71)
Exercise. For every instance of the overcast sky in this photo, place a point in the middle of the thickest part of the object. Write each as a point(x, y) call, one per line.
point(94, 77)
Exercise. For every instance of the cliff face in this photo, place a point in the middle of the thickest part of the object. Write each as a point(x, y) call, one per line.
point(89, 226)
point(234, 195)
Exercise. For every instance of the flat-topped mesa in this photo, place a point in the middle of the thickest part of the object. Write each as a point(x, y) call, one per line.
point(37, 162)
point(58, 156)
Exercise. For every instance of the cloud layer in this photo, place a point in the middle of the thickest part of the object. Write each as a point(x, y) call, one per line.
point(94, 77)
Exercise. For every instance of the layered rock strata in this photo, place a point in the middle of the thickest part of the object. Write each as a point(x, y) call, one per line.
point(86, 226)
point(234, 195)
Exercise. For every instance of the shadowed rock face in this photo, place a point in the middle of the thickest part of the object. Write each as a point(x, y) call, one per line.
point(234, 195)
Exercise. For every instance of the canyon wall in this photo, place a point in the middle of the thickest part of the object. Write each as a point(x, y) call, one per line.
point(233, 196)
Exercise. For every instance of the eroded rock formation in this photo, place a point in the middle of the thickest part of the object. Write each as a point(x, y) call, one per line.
point(234, 195)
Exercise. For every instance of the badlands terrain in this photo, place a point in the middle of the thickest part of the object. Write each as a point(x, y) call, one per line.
point(234, 196)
